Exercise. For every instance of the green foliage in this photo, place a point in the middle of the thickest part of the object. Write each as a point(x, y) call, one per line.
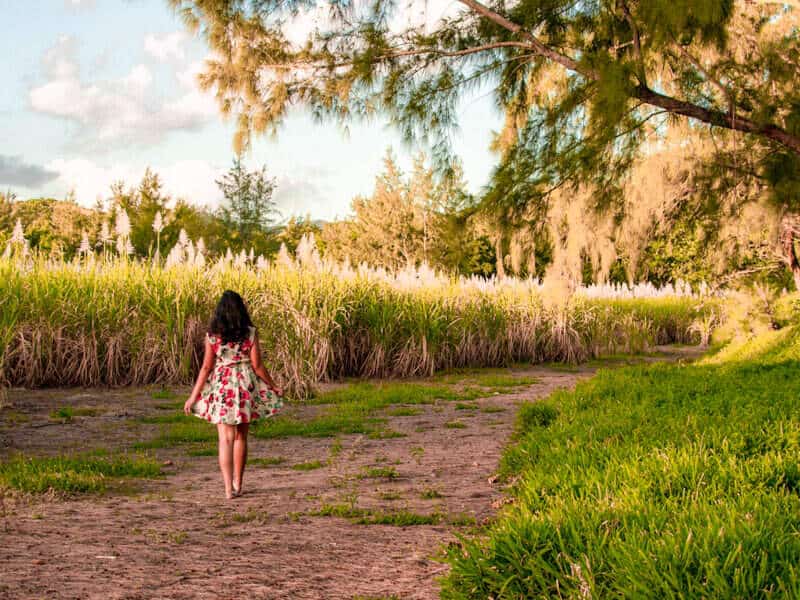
point(409, 220)
point(248, 210)
point(658, 481)
point(295, 228)
point(48, 224)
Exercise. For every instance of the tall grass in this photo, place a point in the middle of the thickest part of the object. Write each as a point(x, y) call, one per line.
point(122, 321)
point(661, 481)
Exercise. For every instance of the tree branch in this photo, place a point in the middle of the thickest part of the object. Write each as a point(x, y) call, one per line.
point(642, 91)
point(718, 118)
point(710, 78)
point(538, 47)
point(637, 42)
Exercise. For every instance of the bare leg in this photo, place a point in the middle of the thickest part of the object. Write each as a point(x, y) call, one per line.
point(226, 436)
point(239, 454)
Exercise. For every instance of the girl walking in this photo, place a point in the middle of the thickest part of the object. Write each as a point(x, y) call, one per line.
point(233, 388)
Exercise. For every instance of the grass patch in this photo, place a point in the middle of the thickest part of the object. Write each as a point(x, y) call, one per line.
point(14, 417)
point(335, 448)
point(403, 411)
point(78, 474)
point(493, 379)
point(378, 473)
point(308, 466)
point(373, 396)
point(394, 518)
point(465, 406)
point(177, 417)
point(430, 494)
point(391, 495)
point(502, 382)
point(651, 481)
point(326, 425)
point(185, 431)
point(163, 394)
point(65, 414)
point(489, 409)
point(455, 425)
point(266, 461)
point(385, 434)
point(203, 451)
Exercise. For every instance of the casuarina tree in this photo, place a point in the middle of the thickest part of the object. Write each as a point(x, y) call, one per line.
point(583, 83)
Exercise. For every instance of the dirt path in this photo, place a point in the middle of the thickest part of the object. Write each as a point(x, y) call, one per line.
point(178, 538)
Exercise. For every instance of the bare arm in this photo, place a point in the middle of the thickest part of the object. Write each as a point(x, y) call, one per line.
point(258, 366)
point(202, 376)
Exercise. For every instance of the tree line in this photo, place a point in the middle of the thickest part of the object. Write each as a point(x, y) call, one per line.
point(658, 235)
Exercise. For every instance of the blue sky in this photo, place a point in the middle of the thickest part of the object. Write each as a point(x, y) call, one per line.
point(97, 90)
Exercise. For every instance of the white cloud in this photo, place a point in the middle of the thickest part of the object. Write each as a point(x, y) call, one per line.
point(193, 180)
point(165, 46)
point(88, 179)
point(138, 79)
point(305, 191)
point(78, 4)
point(129, 110)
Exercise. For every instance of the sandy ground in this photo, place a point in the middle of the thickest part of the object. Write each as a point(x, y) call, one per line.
point(177, 537)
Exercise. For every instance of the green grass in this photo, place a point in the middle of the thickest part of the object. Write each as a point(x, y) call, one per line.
point(78, 474)
point(455, 425)
point(67, 413)
point(394, 518)
point(203, 451)
point(373, 396)
point(391, 495)
point(266, 461)
point(163, 395)
point(492, 409)
point(430, 494)
point(326, 425)
point(385, 434)
point(354, 409)
point(493, 379)
point(357, 408)
point(652, 481)
point(379, 473)
point(183, 430)
point(308, 466)
point(403, 411)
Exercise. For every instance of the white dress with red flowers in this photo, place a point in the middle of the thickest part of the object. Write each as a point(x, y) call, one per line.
point(233, 393)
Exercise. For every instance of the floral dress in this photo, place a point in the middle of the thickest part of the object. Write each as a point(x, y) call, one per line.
point(233, 393)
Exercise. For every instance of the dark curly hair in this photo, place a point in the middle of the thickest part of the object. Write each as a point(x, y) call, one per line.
point(230, 321)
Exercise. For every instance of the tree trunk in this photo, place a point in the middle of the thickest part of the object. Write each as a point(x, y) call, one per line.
point(790, 228)
point(498, 255)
